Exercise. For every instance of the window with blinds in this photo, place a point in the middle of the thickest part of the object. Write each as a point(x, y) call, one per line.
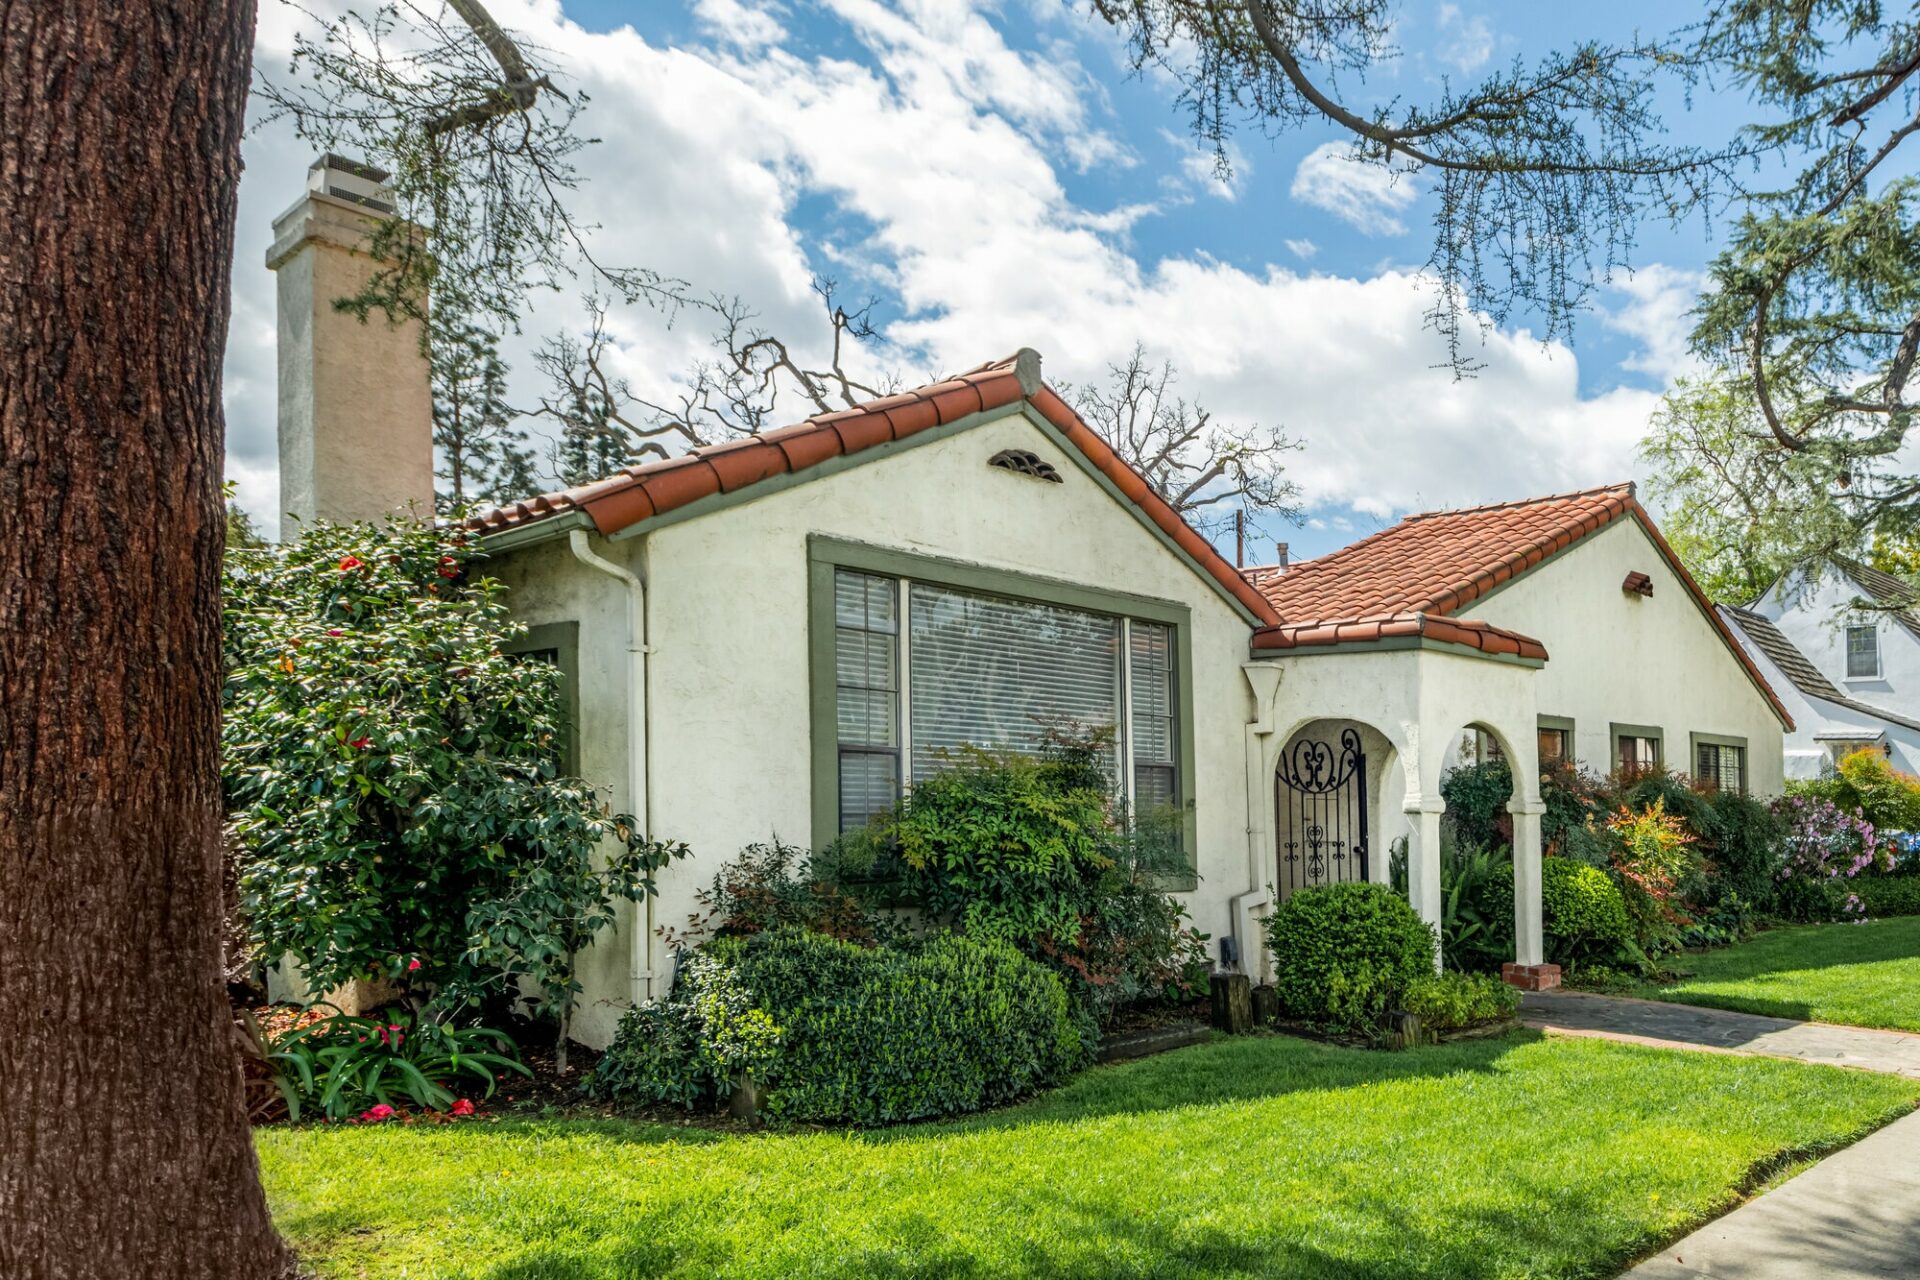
point(991, 672)
point(1722, 765)
point(866, 618)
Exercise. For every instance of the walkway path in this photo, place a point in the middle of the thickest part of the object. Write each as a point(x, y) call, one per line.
point(1681, 1026)
point(1856, 1214)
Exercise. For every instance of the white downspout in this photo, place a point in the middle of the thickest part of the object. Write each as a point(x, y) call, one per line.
point(1263, 682)
point(640, 941)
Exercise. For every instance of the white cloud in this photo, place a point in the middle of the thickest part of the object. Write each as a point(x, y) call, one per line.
point(1659, 299)
point(1465, 42)
point(1366, 197)
point(937, 152)
point(741, 24)
point(1301, 249)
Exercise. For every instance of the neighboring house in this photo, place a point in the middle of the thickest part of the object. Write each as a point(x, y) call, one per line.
point(1843, 648)
point(777, 635)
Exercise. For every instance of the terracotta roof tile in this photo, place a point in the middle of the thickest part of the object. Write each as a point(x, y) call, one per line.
point(655, 488)
point(1433, 565)
point(1372, 630)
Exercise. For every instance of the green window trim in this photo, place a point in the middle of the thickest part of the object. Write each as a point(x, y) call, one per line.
point(1697, 740)
point(1617, 730)
point(1563, 724)
point(562, 639)
point(826, 554)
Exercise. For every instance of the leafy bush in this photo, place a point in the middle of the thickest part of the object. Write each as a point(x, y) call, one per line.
point(1038, 853)
point(1451, 1001)
point(1477, 796)
point(837, 1032)
point(1577, 803)
point(777, 886)
point(1866, 782)
point(1585, 918)
point(1476, 904)
point(1654, 860)
point(1742, 849)
point(341, 1064)
point(1342, 953)
point(392, 776)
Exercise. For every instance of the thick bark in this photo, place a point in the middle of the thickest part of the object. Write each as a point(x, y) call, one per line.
point(124, 1149)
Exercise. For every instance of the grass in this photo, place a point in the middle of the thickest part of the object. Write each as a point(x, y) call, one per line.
point(1864, 975)
point(1260, 1156)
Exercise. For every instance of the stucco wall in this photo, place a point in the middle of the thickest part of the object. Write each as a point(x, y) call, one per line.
point(1814, 613)
point(1614, 657)
point(1808, 753)
point(729, 699)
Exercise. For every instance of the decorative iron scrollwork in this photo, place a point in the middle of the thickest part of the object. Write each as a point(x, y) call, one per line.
point(1315, 768)
point(1320, 795)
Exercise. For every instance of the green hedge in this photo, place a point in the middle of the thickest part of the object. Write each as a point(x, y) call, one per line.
point(1450, 1001)
point(1344, 953)
point(867, 1036)
point(1585, 916)
point(1888, 895)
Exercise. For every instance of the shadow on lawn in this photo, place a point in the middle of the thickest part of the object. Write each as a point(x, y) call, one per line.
point(1246, 1069)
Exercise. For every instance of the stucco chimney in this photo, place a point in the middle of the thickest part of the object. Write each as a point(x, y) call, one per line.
point(356, 406)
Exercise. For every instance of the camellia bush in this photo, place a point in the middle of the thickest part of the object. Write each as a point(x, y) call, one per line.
point(393, 777)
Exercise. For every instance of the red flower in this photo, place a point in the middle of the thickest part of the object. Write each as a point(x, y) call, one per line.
point(463, 1108)
point(374, 1115)
point(350, 563)
point(361, 742)
point(336, 633)
point(412, 965)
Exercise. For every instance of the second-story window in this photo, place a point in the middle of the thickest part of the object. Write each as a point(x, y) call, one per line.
point(1863, 652)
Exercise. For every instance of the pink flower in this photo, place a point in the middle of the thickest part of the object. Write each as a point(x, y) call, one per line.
point(463, 1108)
point(375, 1114)
point(413, 964)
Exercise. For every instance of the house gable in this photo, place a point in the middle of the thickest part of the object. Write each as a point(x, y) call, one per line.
point(641, 498)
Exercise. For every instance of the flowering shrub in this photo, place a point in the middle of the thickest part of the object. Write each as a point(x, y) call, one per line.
point(1824, 847)
point(341, 1064)
point(393, 778)
point(1865, 782)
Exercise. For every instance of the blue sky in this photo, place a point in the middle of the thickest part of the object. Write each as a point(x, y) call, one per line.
point(991, 171)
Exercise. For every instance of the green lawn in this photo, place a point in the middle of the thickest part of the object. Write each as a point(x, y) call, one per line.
point(1867, 975)
point(1268, 1156)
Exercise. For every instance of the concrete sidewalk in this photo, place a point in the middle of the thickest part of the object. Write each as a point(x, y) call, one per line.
point(1855, 1214)
point(1681, 1026)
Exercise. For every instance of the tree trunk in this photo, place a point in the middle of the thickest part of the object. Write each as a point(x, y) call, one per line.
point(124, 1148)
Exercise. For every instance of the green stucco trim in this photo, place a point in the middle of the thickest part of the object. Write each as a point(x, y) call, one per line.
point(1617, 730)
point(1395, 644)
point(1565, 725)
point(879, 452)
point(826, 554)
point(564, 639)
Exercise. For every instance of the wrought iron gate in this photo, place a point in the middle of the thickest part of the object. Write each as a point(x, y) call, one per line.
point(1320, 812)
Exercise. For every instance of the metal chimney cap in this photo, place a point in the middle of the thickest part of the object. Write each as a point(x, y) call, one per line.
point(352, 181)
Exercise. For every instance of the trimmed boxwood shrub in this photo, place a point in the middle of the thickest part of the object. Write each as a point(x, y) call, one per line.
point(1585, 916)
point(1344, 953)
point(845, 1033)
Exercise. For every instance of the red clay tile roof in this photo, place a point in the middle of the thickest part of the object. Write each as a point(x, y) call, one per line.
point(1413, 578)
point(655, 488)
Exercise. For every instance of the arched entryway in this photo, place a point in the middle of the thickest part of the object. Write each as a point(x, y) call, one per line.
point(1327, 788)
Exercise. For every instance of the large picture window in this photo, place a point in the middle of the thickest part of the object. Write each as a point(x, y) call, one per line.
point(924, 669)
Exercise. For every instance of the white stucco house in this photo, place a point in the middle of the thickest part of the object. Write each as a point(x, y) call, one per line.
point(1842, 645)
point(778, 634)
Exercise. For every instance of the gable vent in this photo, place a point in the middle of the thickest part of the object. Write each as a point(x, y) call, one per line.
point(1021, 462)
point(1637, 584)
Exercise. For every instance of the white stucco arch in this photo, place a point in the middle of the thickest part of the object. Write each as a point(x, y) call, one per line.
point(1415, 698)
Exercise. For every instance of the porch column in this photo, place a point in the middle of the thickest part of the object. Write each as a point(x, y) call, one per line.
point(1423, 863)
point(1528, 970)
point(1527, 938)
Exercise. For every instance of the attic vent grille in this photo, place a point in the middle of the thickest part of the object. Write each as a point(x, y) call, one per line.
point(1021, 462)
